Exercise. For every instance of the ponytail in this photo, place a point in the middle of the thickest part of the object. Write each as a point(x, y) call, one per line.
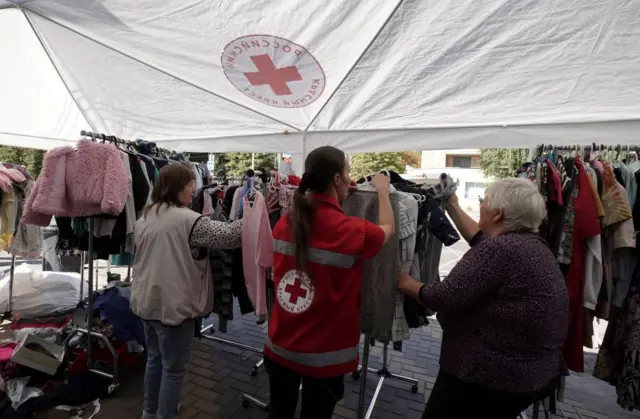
point(300, 219)
point(321, 167)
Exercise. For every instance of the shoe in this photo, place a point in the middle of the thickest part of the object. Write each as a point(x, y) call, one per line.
point(146, 415)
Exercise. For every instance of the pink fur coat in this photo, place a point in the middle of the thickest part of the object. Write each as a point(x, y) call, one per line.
point(89, 180)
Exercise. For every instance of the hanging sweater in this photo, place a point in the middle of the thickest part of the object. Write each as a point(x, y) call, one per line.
point(257, 251)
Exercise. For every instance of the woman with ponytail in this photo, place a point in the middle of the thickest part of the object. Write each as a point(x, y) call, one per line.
point(314, 329)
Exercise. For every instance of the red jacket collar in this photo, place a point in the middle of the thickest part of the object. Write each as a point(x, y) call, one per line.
point(327, 200)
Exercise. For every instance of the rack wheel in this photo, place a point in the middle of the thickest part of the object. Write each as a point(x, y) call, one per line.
point(245, 404)
point(414, 388)
point(356, 375)
point(254, 372)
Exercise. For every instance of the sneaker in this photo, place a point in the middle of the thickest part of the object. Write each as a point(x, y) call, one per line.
point(146, 415)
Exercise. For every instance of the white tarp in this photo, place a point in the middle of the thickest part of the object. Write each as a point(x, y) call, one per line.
point(290, 75)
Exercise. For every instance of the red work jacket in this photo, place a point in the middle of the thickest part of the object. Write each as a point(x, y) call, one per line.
point(314, 328)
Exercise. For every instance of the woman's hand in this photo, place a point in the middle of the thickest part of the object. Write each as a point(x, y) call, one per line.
point(452, 202)
point(380, 182)
point(404, 281)
point(409, 286)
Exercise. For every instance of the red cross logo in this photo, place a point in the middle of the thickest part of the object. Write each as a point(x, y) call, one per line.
point(276, 78)
point(296, 291)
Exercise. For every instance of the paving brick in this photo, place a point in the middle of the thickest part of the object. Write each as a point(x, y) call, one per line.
point(200, 363)
point(207, 407)
point(219, 375)
point(189, 413)
point(205, 394)
point(202, 372)
point(204, 382)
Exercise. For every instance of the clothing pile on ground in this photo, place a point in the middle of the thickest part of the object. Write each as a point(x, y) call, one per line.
point(37, 374)
point(112, 185)
point(593, 216)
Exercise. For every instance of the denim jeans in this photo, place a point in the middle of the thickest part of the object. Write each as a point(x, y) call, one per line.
point(168, 350)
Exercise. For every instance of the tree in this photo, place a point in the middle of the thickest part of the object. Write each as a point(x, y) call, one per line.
point(238, 163)
point(363, 164)
point(412, 158)
point(28, 157)
point(501, 163)
point(220, 166)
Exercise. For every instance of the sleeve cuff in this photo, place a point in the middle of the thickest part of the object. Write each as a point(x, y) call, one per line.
point(479, 236)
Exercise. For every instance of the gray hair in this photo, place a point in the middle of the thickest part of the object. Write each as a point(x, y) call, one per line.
point(524, 207)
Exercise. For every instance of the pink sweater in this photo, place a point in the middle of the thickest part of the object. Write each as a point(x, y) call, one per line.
point(257, 251)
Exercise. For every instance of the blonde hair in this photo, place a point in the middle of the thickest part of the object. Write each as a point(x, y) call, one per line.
point(523, 206)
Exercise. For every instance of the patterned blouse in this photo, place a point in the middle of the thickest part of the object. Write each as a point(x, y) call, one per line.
point(216, 234)
point(504, 314)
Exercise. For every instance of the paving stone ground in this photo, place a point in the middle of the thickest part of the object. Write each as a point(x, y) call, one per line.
point(218, 375)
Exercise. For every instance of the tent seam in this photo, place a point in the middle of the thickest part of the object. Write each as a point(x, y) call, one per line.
point(41, 137)
point(425, 128)
point(55, 67)
point(13, 5)
point(355, 64)
point(153, 67)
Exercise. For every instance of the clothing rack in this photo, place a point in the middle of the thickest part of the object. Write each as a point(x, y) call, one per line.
point(538, 150)
point(206, 331)
point(384, 373)
point(88, 329)
point(547, 415)
point(12, 268)
point(95, 136)
point(360, 374)
point(209, 329)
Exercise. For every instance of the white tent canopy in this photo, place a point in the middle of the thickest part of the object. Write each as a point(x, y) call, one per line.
point(291, 75)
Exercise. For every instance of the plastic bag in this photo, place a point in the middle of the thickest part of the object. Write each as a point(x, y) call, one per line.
point(37, 293)
point(18, 392)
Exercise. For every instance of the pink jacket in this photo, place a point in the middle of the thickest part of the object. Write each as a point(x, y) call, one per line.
point(88, 180)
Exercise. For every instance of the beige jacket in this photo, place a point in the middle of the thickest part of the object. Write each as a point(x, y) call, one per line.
point(170, 286)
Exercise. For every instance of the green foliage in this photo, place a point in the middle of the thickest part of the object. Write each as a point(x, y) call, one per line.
point(220, 169)
point(363, 164)
point(501, 163)
point(412, 158)
point(238, 163)
point(29, 157)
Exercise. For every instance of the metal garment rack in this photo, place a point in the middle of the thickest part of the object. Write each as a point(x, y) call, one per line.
point(239, 345)
point(12, 268)
point(361, 375)
point(383, 373)
point(87, 331)
point(536, 412)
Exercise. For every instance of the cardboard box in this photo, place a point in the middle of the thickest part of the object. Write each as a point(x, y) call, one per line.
point(28, 357)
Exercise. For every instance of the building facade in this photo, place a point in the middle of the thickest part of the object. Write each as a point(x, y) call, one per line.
point(461, 165)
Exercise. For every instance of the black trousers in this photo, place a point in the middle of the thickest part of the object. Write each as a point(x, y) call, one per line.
point(454, 399)
point(319, 396)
